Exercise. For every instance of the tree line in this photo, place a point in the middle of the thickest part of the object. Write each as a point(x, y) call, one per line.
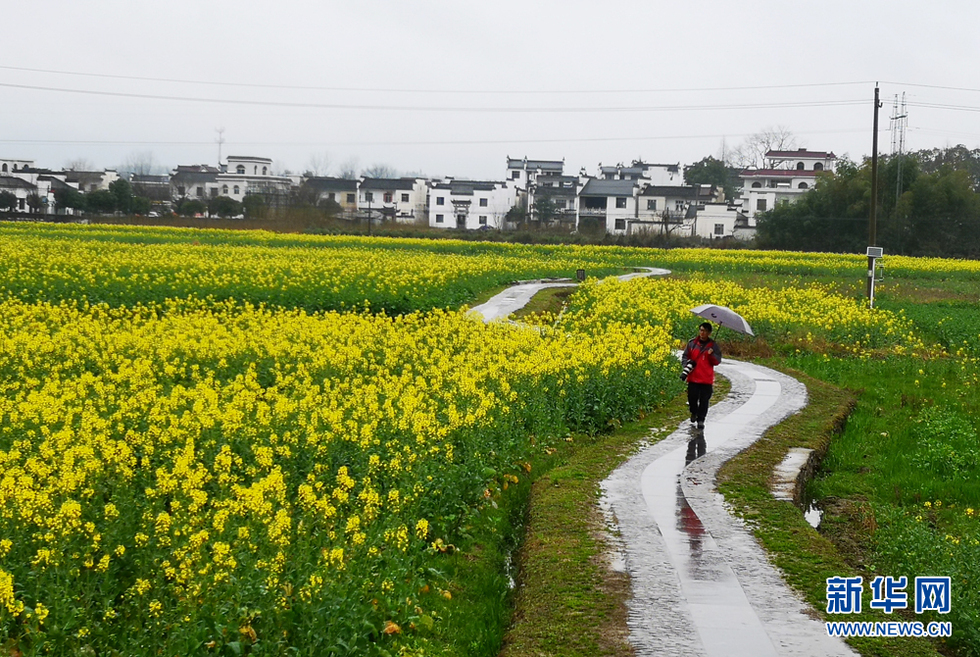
point(928, 205)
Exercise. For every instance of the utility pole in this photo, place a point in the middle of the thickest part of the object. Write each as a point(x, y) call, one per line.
point(873, 252)
point(220, 140)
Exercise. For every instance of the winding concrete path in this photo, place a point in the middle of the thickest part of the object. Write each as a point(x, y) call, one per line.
point(516, 297)
point(701, 584)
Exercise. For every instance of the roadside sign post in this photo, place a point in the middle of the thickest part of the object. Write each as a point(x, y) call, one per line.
point(874, 253)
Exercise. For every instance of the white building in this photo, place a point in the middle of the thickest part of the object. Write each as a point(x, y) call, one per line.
point(392, 199)
point(34, 188)
point(523, 177)
point(469, 204)
point(242, 175)
point(8, 166)
point(613, 203)
point(789, 174)
point(655, 174)
point(720, 220)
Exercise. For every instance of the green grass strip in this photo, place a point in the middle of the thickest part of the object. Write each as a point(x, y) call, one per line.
point(807, 557)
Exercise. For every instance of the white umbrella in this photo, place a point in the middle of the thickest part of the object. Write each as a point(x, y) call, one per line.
point(723, 317)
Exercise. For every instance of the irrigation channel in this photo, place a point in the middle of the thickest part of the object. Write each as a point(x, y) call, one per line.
point(701, 585)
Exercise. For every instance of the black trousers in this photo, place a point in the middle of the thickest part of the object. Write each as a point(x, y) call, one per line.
point(698, 396)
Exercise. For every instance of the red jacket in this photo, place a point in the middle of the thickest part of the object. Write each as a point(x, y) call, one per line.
point(704, 363)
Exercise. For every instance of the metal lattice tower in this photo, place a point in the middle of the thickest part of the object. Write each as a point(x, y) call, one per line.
point(899, 123)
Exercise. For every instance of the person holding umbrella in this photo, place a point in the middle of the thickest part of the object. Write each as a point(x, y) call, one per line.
point(700, 358)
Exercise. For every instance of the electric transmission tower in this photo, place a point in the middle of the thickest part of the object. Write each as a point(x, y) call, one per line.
point(899, 123)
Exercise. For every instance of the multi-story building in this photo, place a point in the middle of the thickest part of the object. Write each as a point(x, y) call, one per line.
point(342, 191)
point(242, 176)
point(392, 199)
point(610, 202)
point(788, 175)
point(655, 174)
point(469, 204)
point(196, 181)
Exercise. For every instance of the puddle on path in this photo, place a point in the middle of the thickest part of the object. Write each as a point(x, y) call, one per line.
point(813, 514)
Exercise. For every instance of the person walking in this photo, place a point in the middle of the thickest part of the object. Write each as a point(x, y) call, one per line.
point(700, 358)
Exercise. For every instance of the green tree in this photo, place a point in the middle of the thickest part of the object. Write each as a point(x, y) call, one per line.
point(224, 206)
point(8, 201)
point(710, 171)
point(517, 214)
point(141, 205)
point(190, 207)
point(122, 191)
point(34, 203)
point(936, 214)
point(69, 199)
point(101, 201)
point(330, 207)
point(254, 206)
point(544, 209)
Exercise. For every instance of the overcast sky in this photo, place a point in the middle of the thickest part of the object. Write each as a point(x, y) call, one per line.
point(446, 88)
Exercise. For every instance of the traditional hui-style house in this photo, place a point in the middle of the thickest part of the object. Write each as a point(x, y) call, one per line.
point(342, 191)
point(612, 203)
point(469, 204)
point(392, 199)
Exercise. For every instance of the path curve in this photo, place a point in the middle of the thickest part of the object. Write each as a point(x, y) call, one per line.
point(516, 297)
point(701, 584)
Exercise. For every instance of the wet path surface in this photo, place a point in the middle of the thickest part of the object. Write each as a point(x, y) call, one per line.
point(516, 297)
point(701, 584)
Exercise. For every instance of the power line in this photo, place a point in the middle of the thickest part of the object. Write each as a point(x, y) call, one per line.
point(435, 108)
point(456, 142)
point(958, 108)
point(932, 86)
point(254, 85)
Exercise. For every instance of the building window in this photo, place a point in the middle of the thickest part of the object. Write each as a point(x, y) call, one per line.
point(224, 190)
point(200, 192)
point(20, 203)
point(652, 204)
point(818, 166)
point(440, 218)
point(620, 202)
point(214, 192)
point(350, 198)
point(514, 175)
point(389, 197)
point(440, 200)
point(240, 169)
point(800, 166)
point(620, 224)
point(803, 185)
point(719, 229)
point(760, 205)
point(404, 198)
point(756, 185)
point(483, 202)
point(679, 206)
point(331, 196)
point(238, 190)
point(368, 196)
point(5, 167)
point(181, 191)
point(483, 220)
point(560, 204)
point(264, 171)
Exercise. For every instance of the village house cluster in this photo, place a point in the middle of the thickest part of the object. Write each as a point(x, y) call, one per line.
point(622, 199)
